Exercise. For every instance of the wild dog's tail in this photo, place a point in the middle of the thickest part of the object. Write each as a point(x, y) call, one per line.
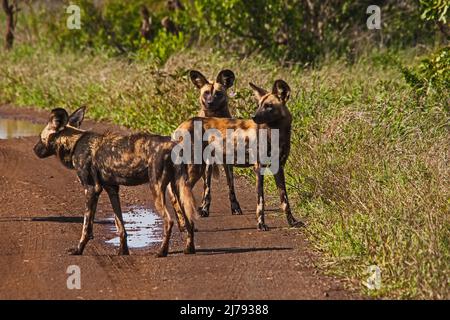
point(186, 195)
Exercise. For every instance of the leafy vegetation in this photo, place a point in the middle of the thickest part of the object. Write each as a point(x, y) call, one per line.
point(436, 10)
point(432, 75)
point(288, 31)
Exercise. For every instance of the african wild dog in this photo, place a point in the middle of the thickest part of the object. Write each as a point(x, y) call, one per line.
point(106, 161)
point(214, 103)
point(271, 115)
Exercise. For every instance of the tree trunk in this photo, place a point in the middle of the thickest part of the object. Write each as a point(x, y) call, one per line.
point(9, 11)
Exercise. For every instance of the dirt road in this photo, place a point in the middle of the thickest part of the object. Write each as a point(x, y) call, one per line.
point(41, 205)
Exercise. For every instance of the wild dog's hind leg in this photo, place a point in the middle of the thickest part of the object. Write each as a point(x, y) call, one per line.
point(113, 193)
point(91, 206)
point(179, 213)
point(178, 210)
point(174, 192)
point(235, 207)
point(206, 199)
point(168, 223)
point(260, 208)
point(98, 189)
point(281, 185)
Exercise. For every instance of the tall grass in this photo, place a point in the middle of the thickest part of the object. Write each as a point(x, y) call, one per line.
point(369, 165)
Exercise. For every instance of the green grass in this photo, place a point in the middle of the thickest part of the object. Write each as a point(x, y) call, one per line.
point(369, 164)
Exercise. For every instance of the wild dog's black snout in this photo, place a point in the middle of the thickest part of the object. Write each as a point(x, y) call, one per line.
point(41, 151)
point(257, 118)
point(209, 101)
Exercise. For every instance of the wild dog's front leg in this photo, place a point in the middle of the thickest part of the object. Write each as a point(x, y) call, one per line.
point(206, 200)
point(235, 207)
point(113, 193)
point(260, 208)
point(91, 206)
point(281, 185)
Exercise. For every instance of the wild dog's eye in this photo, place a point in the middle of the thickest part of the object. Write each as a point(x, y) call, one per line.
point(219, 94)
point(269, 107)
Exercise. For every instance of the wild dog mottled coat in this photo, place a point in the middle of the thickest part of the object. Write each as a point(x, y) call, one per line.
point(214, 103)
point(107, 161)
point(272, 113)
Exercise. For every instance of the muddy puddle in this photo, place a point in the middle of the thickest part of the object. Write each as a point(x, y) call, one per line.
point(144, 228)
point(11, 128)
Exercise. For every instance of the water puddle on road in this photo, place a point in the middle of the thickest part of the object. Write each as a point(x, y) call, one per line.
point(144, 227)
point(11, 128)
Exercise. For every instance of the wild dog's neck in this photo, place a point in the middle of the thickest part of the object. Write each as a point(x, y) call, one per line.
point(65, 144)
point(284, 123)
point(221, 111)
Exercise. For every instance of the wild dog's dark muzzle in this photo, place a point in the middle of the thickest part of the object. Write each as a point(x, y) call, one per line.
point(41, 150)
point(210, 102)
point(214, 101)
point(257, 119)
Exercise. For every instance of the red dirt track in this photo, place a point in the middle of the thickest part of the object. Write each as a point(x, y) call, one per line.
point(41, 207)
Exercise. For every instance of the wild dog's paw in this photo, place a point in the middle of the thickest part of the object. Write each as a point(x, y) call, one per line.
point(203, 212)
point(236, 208)
point(296, 223)
point(74, 251)
point(124, 252)
point(161, 254)
point(189, 250)
point(263, 227)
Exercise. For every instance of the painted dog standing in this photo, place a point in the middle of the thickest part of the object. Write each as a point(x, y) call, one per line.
point(107, 161)
point(272, 115)
point(214, 103)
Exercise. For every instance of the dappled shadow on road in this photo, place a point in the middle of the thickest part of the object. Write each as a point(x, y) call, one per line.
point(235, 229)
point(58, 219)
point(227, 229)
point(215, 251)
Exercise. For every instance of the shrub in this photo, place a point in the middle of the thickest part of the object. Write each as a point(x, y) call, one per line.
point(432, 75)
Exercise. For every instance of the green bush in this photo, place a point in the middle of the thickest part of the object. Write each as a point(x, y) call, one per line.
point(291, 32)
point(432, 75)
point(303, 31)
point(112, 27)
point(435, 10)
point(162, 47)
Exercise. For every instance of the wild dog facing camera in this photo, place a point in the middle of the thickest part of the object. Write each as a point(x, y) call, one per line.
point(213, 95)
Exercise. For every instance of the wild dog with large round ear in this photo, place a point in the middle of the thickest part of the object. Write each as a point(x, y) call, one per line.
point(213, 94)
point(58, 121)
point(272, 114)
point(107, 161)
point(272, 106)
point(214, 103)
